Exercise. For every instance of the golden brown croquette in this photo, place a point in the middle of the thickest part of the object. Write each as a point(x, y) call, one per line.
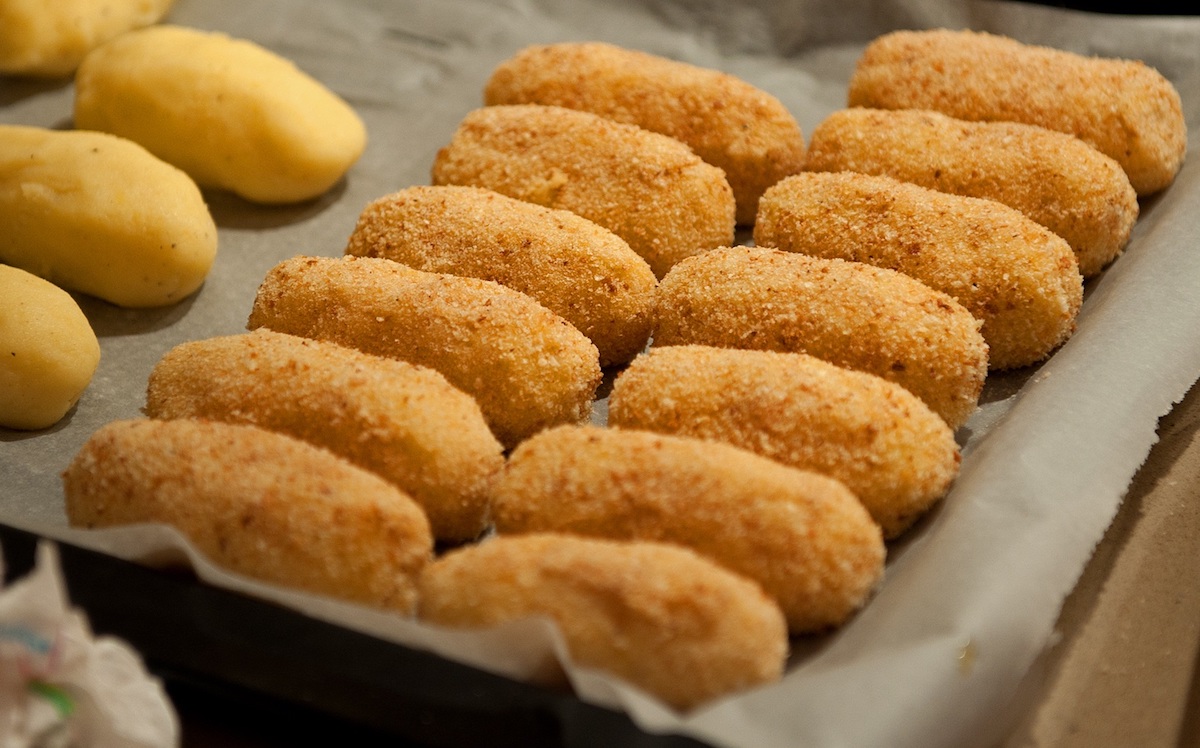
point(258, 503)
point(527, 367)
point(649, 189)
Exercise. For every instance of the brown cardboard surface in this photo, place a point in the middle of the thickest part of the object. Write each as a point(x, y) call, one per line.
point(1124, 672)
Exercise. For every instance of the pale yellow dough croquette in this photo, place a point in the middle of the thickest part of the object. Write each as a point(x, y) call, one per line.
point(527, 367)
point(1124, 108)
point(48, 351)
point(885, 445)
point(1054, 178)
point(848, 313)
point(649, 189)
point(661, 617)
point(403, 422)
point(804, 537)
point(99, 214)
point(230, 113)
point(51, 37)
point(258, 503)
point(727, 121)
point(580, 271)
point(1016, 276)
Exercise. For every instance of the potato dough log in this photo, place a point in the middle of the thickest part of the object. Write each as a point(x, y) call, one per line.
point(890, 450)
point(1054, 178)
point(802, 536)
point(659, 616)
point(48, 352)
point(1016, 276)
point(580, 271)
point(1124, 108)
point(403, 422)
point(647, 188)
point(727, 121)
point(51, 37)
point(258, 503)
point(228, 112)
point(526, 366)
point(99, 214)
point(851, 314)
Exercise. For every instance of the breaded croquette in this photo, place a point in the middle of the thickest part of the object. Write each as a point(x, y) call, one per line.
point(885, 445)
point(848, 313)
point(403, 422)
point(1016, 276)
point(661, 617)
point(527, 367)
point(1054, 178)
point(580, 271)
point(1124, 108)
point(647, 188)
point(258, 503)
point(804, 537)
point(727, 121)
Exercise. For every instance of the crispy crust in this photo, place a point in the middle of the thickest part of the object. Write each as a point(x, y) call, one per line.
point(527, 367)
point(728, 122)
point(1124, 108)
point(1014, 275)
point(405, 423)
point(580, 271)
point(885, 445)
point(659, 616)
point(236, 493)
point(646, 188)
point(804, 537)
point(851, 314)
point(1054, 178)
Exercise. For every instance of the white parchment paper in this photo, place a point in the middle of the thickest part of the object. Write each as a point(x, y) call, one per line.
point(971, 594)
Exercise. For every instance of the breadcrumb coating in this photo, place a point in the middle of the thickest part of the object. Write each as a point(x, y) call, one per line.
point(885, 445)
point(1054, 178)
point(727, 121)
point(403, 422)
point(803, 536)
point(661, 617)
point(527, 367)
point(649, 189)
point(258, 503)
point(1124, 108)
point(848, 313)
point(575, 268)
point(1016, 276)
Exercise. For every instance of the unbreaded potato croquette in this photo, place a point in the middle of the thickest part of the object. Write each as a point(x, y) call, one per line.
point(527, 367)
point(1016, 276)
point(848, 313)
point(48, 351)
point(649, 189)
point(230, 113)
point(575, 268)
point(1124, 108)
point(95, 213)
point(51, 37)
point(895, 454)
point(404, 422)
point(804, 537)
point(661, 617)
point(1054, 178)
point(258, 503)
point(727, 121)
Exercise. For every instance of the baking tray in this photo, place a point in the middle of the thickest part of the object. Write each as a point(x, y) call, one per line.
point(413, 69)
point(228, 655)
